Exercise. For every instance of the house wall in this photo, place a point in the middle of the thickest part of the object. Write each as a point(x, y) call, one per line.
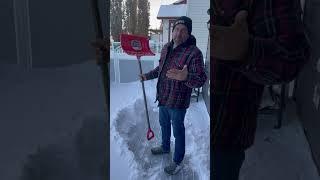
point(47, 34)
point(155, 37)
point(8, 53)
point(61, 32)
point(308, 83)
point(165, 30)
point(197, 11)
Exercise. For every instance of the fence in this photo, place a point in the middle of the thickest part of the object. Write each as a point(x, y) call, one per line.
point(124, 68)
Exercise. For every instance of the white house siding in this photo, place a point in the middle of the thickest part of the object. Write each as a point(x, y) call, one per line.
point(165, 30)
point(172, 11)
point(197, 11)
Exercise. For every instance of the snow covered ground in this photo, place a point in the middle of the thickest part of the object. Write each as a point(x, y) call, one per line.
point(128, 136)
point(277, 154)
point(44, 111)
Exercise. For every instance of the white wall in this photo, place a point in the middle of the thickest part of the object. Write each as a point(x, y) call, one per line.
point(165, 30)
point(197, 11)
point(155, 37)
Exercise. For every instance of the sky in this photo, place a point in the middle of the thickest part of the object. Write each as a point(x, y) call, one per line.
point(154, 8)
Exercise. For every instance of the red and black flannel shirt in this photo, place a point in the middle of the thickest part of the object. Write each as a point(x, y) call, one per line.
point(277, 50)
point(173, 93)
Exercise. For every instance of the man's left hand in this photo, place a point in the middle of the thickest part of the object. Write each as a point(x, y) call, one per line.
point(180, 75)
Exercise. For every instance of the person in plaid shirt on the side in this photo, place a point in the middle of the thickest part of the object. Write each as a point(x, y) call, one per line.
point(181, 68)
point(253, 44)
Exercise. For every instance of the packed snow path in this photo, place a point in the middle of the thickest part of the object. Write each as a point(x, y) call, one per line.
point(129, 129)
point(276, 154)
point(41, 108)
point(132, 127)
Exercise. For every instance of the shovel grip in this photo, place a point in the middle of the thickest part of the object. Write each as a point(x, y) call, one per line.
point(150, 134)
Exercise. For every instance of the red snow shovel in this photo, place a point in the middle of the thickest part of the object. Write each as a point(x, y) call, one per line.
point(138, 46)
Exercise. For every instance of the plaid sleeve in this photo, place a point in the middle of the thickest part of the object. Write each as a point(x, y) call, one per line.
point(153, 73)
point(196, 72)
point(278, 47)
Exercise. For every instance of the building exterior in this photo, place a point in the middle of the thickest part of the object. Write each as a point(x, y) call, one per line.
point(46, 34)
point(167, 14)
point(196, 10)
point(307, 92)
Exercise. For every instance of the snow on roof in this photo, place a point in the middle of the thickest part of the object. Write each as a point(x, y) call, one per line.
point(180, 2)
point(167, 11)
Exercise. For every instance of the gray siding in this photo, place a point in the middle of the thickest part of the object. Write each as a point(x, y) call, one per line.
point(61, 32)
point(7, 33)
point(308, 79)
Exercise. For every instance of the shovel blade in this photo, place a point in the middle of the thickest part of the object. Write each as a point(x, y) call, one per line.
point(150, 134)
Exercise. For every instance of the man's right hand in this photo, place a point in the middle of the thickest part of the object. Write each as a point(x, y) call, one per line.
point(142, 77)
point(231, 42)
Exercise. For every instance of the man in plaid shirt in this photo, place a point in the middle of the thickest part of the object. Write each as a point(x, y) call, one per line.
point(181, 68)
point(253, 44)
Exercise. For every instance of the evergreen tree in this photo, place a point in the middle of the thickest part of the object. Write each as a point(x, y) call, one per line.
point(116, 15)
point(143, 17)
point(131, 16)
point(136, 16)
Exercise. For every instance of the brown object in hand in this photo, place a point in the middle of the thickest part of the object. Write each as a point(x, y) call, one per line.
point(230, 43)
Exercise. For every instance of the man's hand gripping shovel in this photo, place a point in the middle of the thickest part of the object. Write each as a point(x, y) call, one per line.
point(138, 46)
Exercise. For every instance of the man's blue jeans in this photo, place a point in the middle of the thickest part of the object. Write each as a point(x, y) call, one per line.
point(177, 120)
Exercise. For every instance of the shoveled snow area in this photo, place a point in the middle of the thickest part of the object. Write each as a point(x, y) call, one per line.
point(51, 124)
point(277, 154)
point(128, 136)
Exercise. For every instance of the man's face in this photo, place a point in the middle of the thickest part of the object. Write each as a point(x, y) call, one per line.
point(180, 34)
